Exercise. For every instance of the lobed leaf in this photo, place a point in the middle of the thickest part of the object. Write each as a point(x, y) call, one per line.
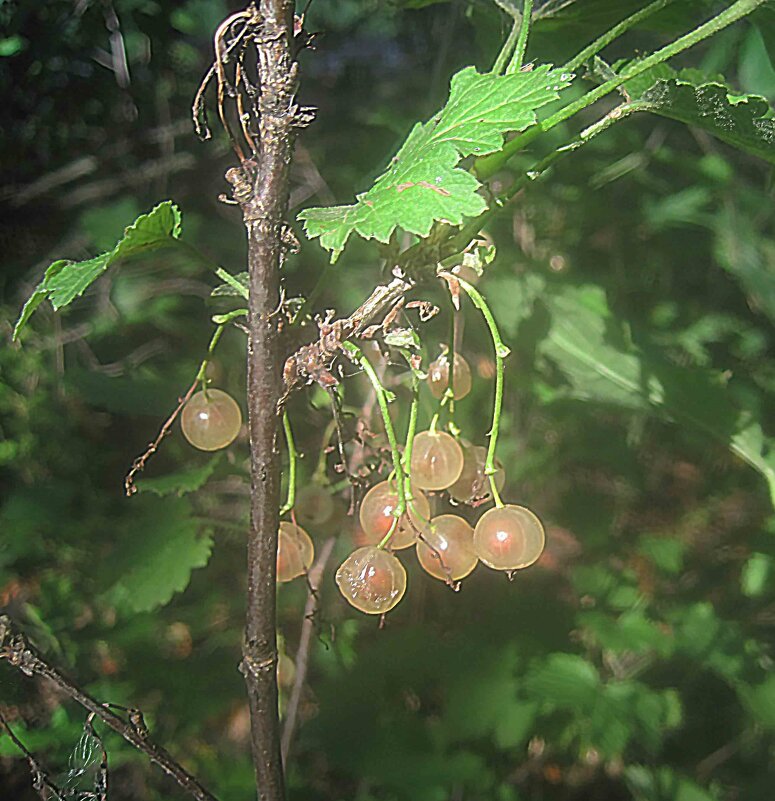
point(181, 482)
point(423, 183)
point(744, 121)
point(603, 365)
point(66, 280)
point(157, 557)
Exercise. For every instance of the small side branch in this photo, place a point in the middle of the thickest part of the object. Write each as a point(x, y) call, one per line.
point(16, 650)
point(302, 655)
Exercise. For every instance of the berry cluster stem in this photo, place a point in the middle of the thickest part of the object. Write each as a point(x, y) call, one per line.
point(292, 460)
point(501, 352)
point(524, 30)
point(486, 166)
point(382, 400)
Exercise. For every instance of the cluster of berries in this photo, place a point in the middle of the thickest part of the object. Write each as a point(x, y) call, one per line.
point(372, 579)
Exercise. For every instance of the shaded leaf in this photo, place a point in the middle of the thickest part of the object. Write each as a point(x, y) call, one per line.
point(155, 559)
point(743, 121)
point(182, 482)
point(65, 280)
point(601, 364)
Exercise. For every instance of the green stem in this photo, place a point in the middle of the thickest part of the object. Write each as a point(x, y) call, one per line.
point(614, 33)
point(501, 352)
point(524, 30)
point(319, 476)
point(507, 49)
point(222, 321)
point(292, 459)
point(229, 279)
point(487, 165)
point(381, 394)
point(412, 425)
point(471, 229)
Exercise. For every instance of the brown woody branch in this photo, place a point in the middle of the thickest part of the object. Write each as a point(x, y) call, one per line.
point(16, 650)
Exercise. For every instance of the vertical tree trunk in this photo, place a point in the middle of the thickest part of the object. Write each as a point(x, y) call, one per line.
point(264, 214)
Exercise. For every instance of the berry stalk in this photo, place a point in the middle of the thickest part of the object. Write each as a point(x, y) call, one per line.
point(501, 352)
point(381, 393)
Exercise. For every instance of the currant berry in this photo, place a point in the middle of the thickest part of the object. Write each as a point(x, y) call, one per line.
point(473, 483)
point(453, 541)
point(509, 538)
point(286, 670)
point(372, 580)
point(376, 516)
point(438, 377)
point(314, 505)
point(211, 420)
point(437, 460)
point(295, 552)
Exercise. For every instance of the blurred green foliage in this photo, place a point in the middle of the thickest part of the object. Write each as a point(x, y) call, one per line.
point(635, 288)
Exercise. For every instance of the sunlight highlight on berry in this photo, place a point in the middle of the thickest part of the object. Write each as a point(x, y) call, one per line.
point(438, 377)
point(453, 540)
point(437, 460)
point(376, 516)
point(211, 420)
point(509, 538)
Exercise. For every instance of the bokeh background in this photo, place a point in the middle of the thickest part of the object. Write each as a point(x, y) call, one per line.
point(633, 662)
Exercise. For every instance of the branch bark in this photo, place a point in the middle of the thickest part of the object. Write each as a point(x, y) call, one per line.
point(15, 649)
point(264, 210)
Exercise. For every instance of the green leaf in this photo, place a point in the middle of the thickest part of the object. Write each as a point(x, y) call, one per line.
point(563, 680)
point(235, 285)
point(602, 365)
point(182, 482)
point(155, 559)
point(65, 280)
point(749, 256)
point(743, 121)
point(423, 183)
point(760, 700)
point(756, 575)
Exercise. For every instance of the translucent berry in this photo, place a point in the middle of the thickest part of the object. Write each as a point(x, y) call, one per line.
point(286, 670)
point(372, 580)
point(211, 420)
point(314, 505)
point(509, 538)
point(473, 484)
point(453, 541)
point(376, 516)
point(295, 552)
point(438, 376)
point(437, 460)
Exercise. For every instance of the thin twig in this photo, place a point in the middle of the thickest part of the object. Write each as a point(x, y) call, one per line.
point(139, 463)
point(302, 655)
point(15, 649)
